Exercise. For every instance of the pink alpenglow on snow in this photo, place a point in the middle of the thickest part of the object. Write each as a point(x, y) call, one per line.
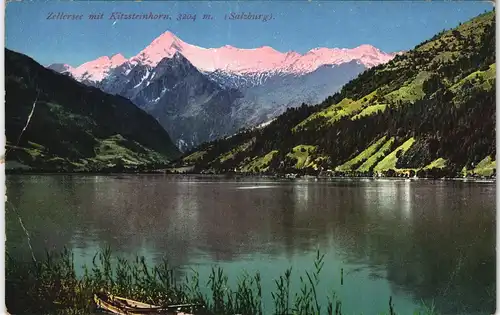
point(96, 70)
point(366, 54)
point(225, 58)
point(262, 59)
point(235, 60)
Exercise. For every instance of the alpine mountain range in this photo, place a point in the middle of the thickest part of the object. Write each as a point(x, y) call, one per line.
point(201, 94)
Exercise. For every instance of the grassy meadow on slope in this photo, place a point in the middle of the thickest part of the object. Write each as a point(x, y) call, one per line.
point(430, 111)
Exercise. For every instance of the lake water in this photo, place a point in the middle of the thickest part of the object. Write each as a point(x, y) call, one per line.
point(417, 241)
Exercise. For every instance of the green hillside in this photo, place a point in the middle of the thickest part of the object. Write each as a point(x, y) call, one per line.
point(54, 123)
point(430, 110)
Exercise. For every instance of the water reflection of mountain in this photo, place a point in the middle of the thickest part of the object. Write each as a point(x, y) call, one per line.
point(437, 242)
point(433, 240)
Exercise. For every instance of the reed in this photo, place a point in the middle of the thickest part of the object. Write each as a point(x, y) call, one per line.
point(50, 286)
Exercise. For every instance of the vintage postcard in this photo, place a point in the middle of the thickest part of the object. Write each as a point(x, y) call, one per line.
point(250, 157)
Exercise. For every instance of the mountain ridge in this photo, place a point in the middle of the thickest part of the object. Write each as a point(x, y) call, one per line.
point(231, 59)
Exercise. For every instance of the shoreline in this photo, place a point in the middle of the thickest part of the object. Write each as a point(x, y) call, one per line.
point(257, 176)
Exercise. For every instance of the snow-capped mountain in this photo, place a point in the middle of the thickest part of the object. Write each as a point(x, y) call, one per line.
point(232, 60)
point(97, 70)
point(258, 60)
point(183, 86)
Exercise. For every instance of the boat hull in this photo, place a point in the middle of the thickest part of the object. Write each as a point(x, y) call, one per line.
point(123, 306)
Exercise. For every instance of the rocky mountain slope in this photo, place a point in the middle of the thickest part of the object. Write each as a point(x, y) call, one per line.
point(428, 112)
point(264, 102)
point(54, 123)
point(192, 108)
point(233, 88)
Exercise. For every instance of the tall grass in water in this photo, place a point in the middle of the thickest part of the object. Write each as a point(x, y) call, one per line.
point(50, 286)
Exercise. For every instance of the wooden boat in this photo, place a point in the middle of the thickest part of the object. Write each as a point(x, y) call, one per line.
point(123, 306)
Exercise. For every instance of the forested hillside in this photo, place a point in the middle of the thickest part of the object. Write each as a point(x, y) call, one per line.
point(54, 123)
point(429, 111)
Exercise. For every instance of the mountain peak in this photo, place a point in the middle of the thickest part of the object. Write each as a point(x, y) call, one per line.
point(164, 46)
point(367, 48)
point(97, 69)
point(268, 48)
point(166, 39)
point(114, 61)
point(118, 59)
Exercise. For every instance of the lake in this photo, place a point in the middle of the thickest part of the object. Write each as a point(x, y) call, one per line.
point(418, 241)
